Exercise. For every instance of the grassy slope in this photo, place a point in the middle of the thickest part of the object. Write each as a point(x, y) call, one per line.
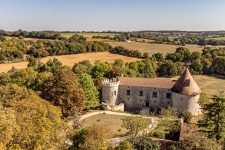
point(210, 85)
point(111, 122)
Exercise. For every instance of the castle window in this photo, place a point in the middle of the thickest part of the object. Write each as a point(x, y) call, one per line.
point(187, 83)
point(114, 93)
point(128, 92)
point(147, 104)
point(141, 93)
point(155, 94)
point(168, 95)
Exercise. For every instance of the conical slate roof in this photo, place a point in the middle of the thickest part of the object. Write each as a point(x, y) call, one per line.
point(186, 84)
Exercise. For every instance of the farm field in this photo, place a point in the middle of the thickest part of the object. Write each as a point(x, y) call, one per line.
point(154, 48)
point(113, 123)
point(88, 35)
point(69, 60)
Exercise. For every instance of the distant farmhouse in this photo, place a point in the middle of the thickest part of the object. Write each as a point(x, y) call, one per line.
point(129, 94)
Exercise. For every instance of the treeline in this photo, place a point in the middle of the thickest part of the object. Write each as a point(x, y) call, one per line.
point(209, 61)
point(74, 45)
point(33, 34)
point(15, 49)
point(179, 38)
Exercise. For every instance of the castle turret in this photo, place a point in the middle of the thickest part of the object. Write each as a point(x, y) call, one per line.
point(110, 92)
point(186, 94)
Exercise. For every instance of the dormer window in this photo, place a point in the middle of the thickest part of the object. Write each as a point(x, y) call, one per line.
point(187, 82)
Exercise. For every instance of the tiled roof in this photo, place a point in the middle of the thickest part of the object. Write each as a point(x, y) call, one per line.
point(147, 82)
point(186, 84)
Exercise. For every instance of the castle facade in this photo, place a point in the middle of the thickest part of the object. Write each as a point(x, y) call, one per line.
point(130, 94)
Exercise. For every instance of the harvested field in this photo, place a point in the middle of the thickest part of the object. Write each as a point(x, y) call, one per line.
point(69, 60)
point(152, 48)
point(88, 35)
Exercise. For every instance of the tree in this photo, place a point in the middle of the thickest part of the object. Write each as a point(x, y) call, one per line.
point(63, 90)
point(168, 112)
point(146, 55)
point(214, 118)
point(23, 77)
point(184, 53)
point(126, 145)
point(32, 62)
point(218, 65)
point(202, 42)
point(51, 66)
point(158, 57)
point(90, 91)
point(27, 121)
point(149, 69)
point(196, 67)
point(93, 138)
point(82, 67)
point(118, 68)
point(187, 116)
point(134, 125)
point(146, 143)
point(2, 38)
point(100, 70)
point(168, 69)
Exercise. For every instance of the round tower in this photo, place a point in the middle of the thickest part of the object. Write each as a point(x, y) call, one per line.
point(110, 92)
point(186, 94)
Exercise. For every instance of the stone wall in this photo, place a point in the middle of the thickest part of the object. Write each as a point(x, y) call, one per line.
point(136, 102)
point(188, 103)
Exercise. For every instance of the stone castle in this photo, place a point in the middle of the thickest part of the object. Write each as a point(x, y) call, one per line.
point(126, 93)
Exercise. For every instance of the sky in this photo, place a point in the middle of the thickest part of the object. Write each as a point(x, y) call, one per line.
point(115, 15)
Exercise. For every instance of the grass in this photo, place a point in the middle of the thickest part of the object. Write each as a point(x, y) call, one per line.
point(113, 123)
point(152, 48)
point(210, 85)
point(216, 38)
point(69, 60)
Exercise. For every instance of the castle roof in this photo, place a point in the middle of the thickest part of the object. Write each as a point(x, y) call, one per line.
point(147, 82)
point(186, 84)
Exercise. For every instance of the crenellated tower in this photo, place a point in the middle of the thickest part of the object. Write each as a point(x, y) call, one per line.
point(110, 93)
